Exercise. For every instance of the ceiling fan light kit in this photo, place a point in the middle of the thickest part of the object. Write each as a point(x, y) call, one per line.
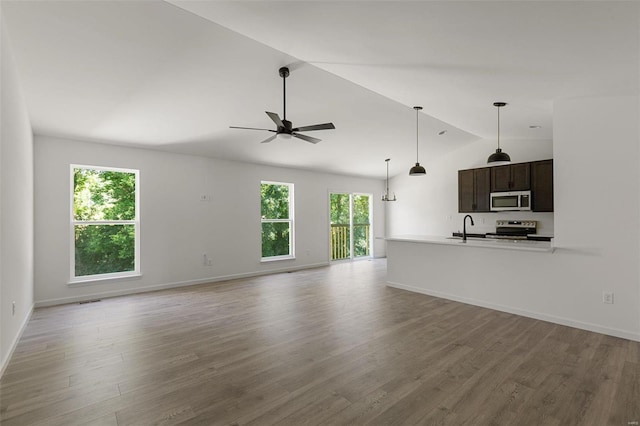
point(285, 129)
point(499, 157)
point(417, 170)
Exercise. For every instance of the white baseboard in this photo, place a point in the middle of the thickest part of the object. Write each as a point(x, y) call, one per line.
point(535, 315)
point(4, 362)
point(124, 292)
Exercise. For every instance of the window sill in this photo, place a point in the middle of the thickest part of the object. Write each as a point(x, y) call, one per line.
point(276, 258)
point(102, 280)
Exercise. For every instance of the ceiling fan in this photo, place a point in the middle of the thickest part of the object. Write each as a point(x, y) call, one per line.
point(285, 129)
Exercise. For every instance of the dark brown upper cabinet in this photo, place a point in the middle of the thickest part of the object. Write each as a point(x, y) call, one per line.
point(474, 188)
point(476, 185)
point(512, 177)
point(542, 186)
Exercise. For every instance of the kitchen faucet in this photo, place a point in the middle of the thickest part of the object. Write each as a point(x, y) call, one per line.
point(464, 227)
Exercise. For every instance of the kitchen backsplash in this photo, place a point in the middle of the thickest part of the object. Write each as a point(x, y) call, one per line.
point(486, 222)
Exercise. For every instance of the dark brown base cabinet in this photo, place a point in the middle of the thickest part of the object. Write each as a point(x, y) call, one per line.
point(475, 185)
point(474, 189)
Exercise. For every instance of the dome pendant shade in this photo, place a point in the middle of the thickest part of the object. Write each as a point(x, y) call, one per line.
point(417, 170)
point(499, 157)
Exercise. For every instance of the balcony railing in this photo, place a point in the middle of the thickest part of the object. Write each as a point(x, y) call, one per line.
point(340, 240)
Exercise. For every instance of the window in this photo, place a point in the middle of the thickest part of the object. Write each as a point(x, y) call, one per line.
point(105, 225)
point(277, 220)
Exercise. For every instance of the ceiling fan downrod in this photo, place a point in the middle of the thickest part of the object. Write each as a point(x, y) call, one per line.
point(284, 73)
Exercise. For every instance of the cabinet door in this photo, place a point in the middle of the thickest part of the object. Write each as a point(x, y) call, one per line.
point(542, 186)
point(482, 186)
point(514, 177)
point(520, 177)
point(500, 178)
point(465, 191)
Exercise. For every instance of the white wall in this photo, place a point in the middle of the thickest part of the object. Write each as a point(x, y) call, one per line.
point(16, 207)
point(428, 205)
point(596, 166)
point(176, 227)
point(597, 230)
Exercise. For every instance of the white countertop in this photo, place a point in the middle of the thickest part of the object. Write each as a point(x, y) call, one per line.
point(524, 245)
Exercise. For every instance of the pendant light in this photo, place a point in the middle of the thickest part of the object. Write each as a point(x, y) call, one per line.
point(417, 170)
point(385, 197)
point(499, 157)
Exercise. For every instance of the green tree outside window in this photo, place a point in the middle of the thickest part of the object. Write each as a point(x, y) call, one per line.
point(104, 221)
point(276, 217)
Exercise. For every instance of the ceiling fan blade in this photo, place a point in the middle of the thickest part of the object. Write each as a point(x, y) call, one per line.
point(269, 139)
point(251, 128)
point(276, 118)
point(325, 126)
point(306, 138)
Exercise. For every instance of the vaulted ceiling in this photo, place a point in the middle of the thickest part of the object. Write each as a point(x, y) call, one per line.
point(175, 75)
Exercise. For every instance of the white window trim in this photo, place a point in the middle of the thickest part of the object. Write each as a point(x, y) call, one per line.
point(290, 220)
point(88, 279)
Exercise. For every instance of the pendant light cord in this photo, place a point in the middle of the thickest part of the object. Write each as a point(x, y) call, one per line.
point(417, 170)
point(498, 127)
point(498, 157)
point(417, 145)
point(284, 97)
point(387, 178)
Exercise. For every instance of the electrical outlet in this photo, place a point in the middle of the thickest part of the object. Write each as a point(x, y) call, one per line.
point(206, 260)
point(607, 297)
point(13, 308)
point(205, 197)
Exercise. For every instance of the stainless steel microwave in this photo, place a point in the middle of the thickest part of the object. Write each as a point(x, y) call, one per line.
point(510, 201)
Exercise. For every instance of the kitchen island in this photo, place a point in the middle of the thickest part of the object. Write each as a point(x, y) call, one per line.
point(505, 244)
point(498, 274)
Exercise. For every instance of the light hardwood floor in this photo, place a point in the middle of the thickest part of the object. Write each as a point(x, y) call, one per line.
point(330, 346)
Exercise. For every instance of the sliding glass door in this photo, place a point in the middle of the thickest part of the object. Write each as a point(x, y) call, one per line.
point(350, 234)
point(361, 225)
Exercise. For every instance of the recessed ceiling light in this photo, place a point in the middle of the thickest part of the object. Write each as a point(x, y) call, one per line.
point(442, 132)
point(535, 126)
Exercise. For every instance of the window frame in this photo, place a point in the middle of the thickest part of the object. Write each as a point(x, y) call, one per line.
point(84, 279)
point(352, 257)
point(290, 220)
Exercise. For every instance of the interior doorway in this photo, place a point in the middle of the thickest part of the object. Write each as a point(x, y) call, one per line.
point(350, 233)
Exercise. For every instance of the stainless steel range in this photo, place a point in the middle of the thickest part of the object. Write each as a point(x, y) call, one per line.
point(513, 229)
